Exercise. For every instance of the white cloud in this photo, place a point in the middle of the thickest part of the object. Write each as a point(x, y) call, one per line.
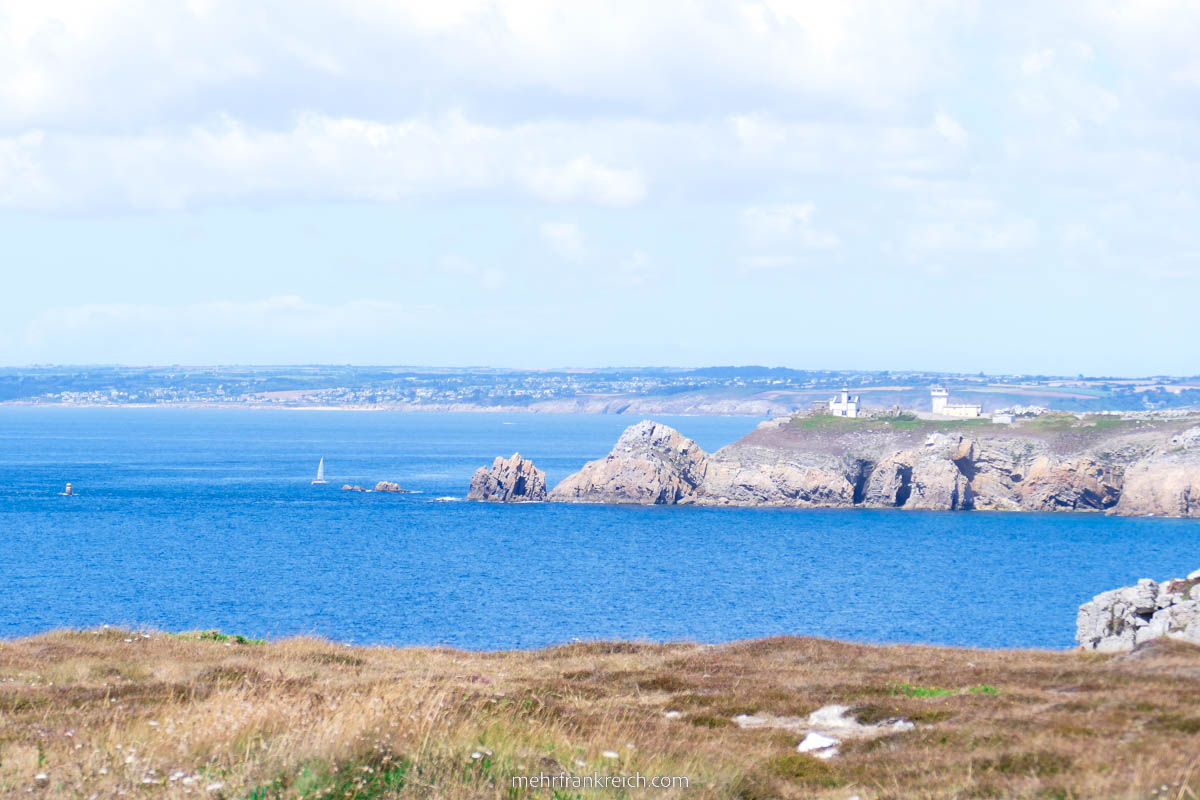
point(634, 270)
point(72, 62)
point(785, 224)
point(319, 157)
point(564, 238)
point(949, 128)
point(583, 179)
point(931, 238)
point(1054, 86)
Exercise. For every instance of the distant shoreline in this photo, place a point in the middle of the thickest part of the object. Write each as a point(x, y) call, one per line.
point(445, 409)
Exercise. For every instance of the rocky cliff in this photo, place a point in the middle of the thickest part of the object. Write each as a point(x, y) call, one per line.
point(1167, 481)
point(1046, 464)
point(509, 480)
point(1125, 617)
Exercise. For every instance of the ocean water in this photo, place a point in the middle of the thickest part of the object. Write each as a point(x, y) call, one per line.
point(197, 518)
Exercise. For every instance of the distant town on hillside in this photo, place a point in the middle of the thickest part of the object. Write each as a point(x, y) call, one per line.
point(710, 390)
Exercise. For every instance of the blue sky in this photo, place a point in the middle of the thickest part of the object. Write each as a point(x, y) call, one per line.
point(909, 185)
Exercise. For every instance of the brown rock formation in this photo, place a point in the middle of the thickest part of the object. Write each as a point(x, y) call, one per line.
point(650, 465)
point(510, 480)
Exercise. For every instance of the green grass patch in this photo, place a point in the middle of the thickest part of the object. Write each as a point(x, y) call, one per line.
point(378, 777)
point(1040, 763)
point(801, 768)
point(827, 422)
point(1070, 422)
point(1178, 722)
point(217, 636)
point(710, 721)
point(904, 421)
point(909, 690)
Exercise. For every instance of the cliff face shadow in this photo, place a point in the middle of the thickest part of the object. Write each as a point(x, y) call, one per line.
point(905, 490)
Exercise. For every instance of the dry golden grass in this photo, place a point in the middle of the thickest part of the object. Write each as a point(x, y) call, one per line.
point(114, 714)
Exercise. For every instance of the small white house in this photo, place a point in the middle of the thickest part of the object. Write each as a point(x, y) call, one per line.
point(1003, 418)
point(844, 404)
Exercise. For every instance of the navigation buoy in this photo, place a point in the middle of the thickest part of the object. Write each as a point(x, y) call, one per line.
point(68, 491)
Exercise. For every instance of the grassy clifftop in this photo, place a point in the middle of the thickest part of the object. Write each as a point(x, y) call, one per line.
point(1060, 433)
point(111, 713)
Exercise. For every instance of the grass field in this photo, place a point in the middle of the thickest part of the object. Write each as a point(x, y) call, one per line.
point(121, 714)
point(908, 422)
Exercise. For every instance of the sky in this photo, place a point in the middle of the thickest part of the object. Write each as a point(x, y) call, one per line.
point(940, 185)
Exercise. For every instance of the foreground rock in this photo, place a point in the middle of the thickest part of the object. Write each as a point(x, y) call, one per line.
point(509, 480)
point(1122, 618)
point(651, 464)
point(1056, 464)
point(825, 728)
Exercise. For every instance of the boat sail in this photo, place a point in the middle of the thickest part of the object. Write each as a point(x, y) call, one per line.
point(320, 473)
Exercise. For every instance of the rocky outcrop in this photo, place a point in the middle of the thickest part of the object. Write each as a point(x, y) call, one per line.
point(388, 486)
point(509, 480)
point(1063, 465)
point(355, 488)
point(1074, 484)
point(1167, 482)
point(1122, 618)
point(651, 464)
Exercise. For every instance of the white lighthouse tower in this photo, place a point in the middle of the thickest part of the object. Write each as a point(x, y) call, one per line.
point(938, 399)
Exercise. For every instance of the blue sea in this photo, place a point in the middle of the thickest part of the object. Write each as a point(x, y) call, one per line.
point(191, 519)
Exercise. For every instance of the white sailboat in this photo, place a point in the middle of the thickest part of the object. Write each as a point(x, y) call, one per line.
point(320, 473)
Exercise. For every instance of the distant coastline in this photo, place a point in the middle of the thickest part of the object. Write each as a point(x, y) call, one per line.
point(646, 391)
point(447, 408)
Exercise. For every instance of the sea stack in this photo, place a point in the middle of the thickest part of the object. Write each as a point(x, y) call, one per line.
point(509, 480)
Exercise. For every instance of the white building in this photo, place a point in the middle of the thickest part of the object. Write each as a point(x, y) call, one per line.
point(844, 404)
point(1003, 418)
point(940, 404)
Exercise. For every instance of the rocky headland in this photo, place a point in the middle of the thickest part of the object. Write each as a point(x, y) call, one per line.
point(1047, 463)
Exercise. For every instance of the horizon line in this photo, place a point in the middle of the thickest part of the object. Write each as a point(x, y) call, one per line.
point(565, 368)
